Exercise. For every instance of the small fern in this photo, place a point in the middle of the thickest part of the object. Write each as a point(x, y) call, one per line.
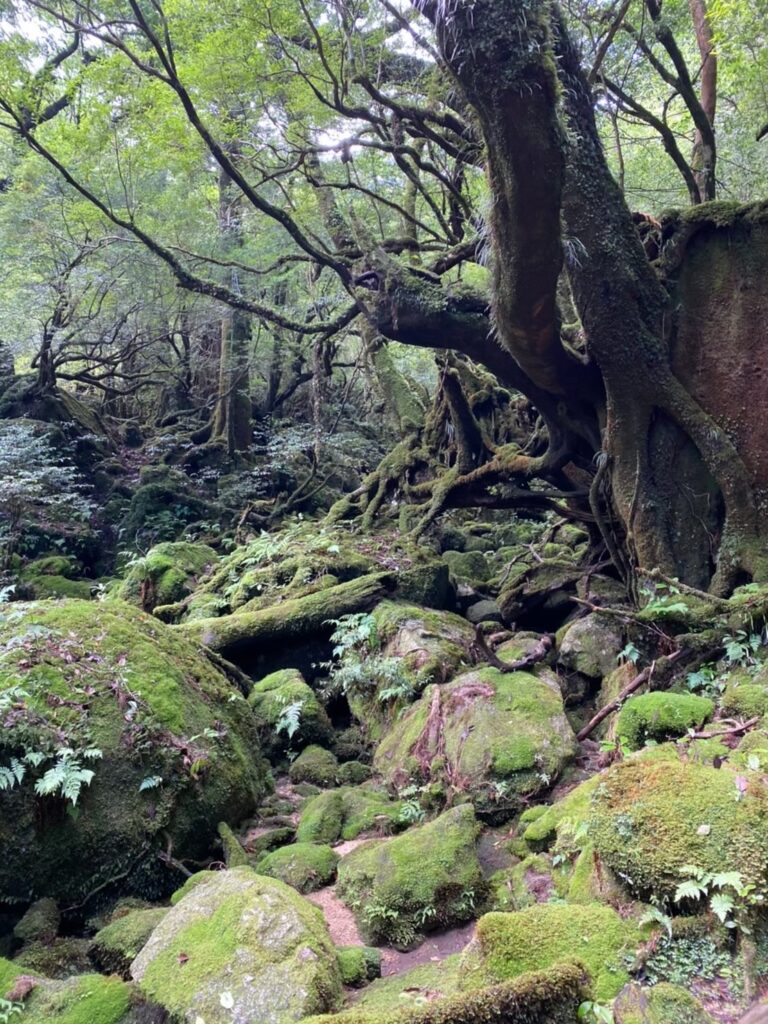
point(289, 721)
point(67, 776)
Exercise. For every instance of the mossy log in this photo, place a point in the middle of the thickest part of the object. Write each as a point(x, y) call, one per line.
point(301, 618)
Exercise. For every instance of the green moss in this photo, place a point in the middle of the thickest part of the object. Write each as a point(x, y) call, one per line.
point(651, 817)
point(269, 699)
point(541, 823)
point(315, 765)
point(523, 885)
point(427, 878)
point(304, 866)
point(659, 715)
point(104, 675)
point(359, 965)
point(47, 587)
point(117, 945)
point(322, 818)
point(353, 773)
point(168, 573)
point(469, 566)
point(431, 645)
point(546, 997)
point(745, 695)
point(88, 999)
point(9, 972)
point(52, 565)
point(234, 854)
point(40, 923)
point(505, 735)
point(413, 989)
point(346, 813)
point(661, 1004)
point(58, 959)
point(507, 945)
point(248, 936)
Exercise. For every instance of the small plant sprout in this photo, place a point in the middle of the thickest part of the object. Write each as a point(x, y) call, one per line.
point(629, 653)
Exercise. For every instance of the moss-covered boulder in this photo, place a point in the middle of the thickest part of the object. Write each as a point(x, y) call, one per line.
point(660, 1004)
point(746, 695)
point(168, 573)
point(428, 878)
point(117, 945)
point(359, 965)
point(649, 817)
point(507, 945)
point(661, 715)
point(40, 923)
point(346, 813)
point(304, 866)
point(288, 712)
point(316, 765)
point(59, 959)
point(430, 645)
point(160, 510)
point(241, 947)
point(103, 688)
point(470, 567)
point(590, 646)
point(504, 734)
point(87, 999)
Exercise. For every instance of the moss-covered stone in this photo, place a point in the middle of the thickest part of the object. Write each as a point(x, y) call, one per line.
point(46, 587)
point(469, 566)
point(413, 989)
point(9, 972)
point(58, 959)
point(346, 813)
point(240, 946)
point(745, 695)
point(539, 825)
point(660, 715)
point(545, 997)
point(660, 1004)
point(427, 878)
point(590, 646)
point(106, 677)
point(87, 999)
point(161, 510)
point(505, 735)
point(115, 946)
point(271, 696)
point(427, 585)
point(40, 923)
point(304, 866)
point(316, 765)
point(353, 773)
point(52, 565)
point(430, 645)
point(651, 816)
point(507, 945)
point(168, 573)
point(359, 965)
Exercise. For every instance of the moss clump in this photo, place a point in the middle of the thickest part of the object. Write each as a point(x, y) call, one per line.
point(52, 565)
point(746, 695)
point(353, 773)
point(540, 824)
point(526, 883)
point(659, 715)
point(304, 866)
point(58, 959)
point(506, 945)
point(650, 817)
point(315, 765)
point(270, 698)
point(106, 676)
point(117, 945)
point(546, 997)
point(505, 735)
point(40, 923)
point(359, 965)
point(469, 566)
point(168, 573)
point(45, 587)
point(427, 878)
point(430, 645)
point(88, 999)
point(240, 946)
point(661, 1004)
point(346, 813)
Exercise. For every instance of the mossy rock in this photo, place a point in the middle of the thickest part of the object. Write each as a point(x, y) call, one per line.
point(46, 587)
point(651, 816)
point(86, 999)
point(346, 813)
point(505, 735)
point(431, 644)
point(161, 510)
point(40, 922)
point(108, 677)
point(745, 695)
point(470, 567)
point(353, 773)
point(269, 699)
point(240, 946)
point(660, 715)
point(168, 573)
point(413, 989)
point(316, 765)
point(660, 1004)
point(427, 585)
point(304, 866)
point(539, 825)
point(359, 965)
point(507, 945)
point(590, 646)
point(52, 565)
point(115, 946)
point(544, 997)
point(525, 884)
point(426, 879)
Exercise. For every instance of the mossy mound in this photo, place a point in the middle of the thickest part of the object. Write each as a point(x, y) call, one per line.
point(316, 765)
point(470, 567)
point(507, 945)
point(545, 997)
point(660, 715)
point(58, 959)
point(168, 573)
point(304, 866)
point(661, 1004)
point(504, 735)
point(651, 816)
point(426, 879)
point(87, 999)
point(160, 510)
point(746, 695)
point(239, 946)
point(48, 587)
point(430, 645)
point(115, 946)
point(590, 646)
point(359, 965)
point(172, 746)
point(272, 697)
point(346, 813)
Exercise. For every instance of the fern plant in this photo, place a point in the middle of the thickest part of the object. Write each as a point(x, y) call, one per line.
point(67, 776)
point(729, 898)
point(289, 721)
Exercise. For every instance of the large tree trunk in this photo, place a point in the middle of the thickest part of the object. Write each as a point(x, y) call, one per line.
point(546, 167)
